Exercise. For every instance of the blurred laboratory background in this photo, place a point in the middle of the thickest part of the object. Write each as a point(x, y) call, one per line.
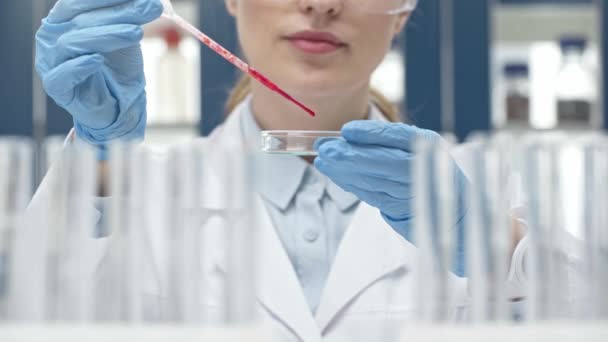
point(460, 66)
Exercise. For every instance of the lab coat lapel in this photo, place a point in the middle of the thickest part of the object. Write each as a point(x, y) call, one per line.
point(279, 290)
point(370, 250)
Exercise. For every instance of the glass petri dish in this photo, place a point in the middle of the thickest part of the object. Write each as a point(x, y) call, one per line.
point(300, 143)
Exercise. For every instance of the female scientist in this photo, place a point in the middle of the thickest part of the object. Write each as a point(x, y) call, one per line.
point(356, 195)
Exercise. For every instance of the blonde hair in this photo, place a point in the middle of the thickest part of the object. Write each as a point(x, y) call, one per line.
point(243, 88)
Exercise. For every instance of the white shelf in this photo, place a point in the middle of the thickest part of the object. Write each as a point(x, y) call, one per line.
point(552, 332)
point(544, 22)
point(126, 333)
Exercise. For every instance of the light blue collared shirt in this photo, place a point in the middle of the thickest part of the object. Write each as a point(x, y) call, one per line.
point(310, 234)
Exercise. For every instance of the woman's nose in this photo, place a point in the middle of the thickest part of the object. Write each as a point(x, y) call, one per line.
point(327, 7)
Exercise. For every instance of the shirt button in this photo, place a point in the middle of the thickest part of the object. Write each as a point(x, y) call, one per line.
point(311, 235)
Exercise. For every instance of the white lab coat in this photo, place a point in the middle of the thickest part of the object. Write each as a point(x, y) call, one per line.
point(371, 290)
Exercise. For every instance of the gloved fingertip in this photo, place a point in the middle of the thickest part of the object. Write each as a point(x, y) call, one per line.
point(319, 164)
point(153, 9)
point(321, 151)
point(354, 126)
point(359, 130)
point(158, 7)
point(318, 143)
point(321, 141)
point(332, 149)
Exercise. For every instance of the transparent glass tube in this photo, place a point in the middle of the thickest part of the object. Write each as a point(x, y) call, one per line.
point(447, 228)
point(498, 163)
point(594, 301)
point(16, 177)
point(426, 299)
point(543, 182)
point(186, 282)
point(488, 227)
point(476, 230)
point(68, 285)
point(173, 215)
point(114, 268)
point(169, 222)
point(435, 202)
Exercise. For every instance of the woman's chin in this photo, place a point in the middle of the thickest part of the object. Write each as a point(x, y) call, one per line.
point(315, 91)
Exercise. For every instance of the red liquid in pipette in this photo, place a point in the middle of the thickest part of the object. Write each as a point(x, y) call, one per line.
point(244, 67)
point(268, 83)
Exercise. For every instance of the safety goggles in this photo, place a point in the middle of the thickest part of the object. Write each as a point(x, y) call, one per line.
point(389, 7)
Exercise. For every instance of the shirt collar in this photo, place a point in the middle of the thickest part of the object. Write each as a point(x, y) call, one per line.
point(344, 200)
point(279, 176)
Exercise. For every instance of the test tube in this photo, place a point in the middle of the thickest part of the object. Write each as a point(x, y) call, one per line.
point(112, 275)
point(532, 178)
point(71, 223)
point(241, 237)
point(143, 267)
point(130, 265)
point(185, 267)
point(82, 242)
point(448, 227)
point(488, 226)
point(477, 225)
point(434, 230)
point(498, 161)
point(16, 176)
point(56, 220)
point(545, 277)
point(426, 299)
point(159, 236)
point(559, 258)
point(595, 300)
point(601, 251)
point(31, 245)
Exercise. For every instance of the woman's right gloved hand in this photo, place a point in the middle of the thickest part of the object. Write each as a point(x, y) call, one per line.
point(89, 58)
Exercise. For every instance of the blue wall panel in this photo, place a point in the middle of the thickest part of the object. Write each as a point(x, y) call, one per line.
point(423, 105)
point(472, 88)
point(534, 2)
point(447, 66)
point(604, 20)
point(217, 75)
point(16, 67)
point(58, 121)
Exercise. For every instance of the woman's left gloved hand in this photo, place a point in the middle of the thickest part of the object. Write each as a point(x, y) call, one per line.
point(374, 161)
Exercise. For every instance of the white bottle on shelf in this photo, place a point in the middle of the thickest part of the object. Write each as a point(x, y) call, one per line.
point(173, 80)
point(576, 87)
point(517, 94)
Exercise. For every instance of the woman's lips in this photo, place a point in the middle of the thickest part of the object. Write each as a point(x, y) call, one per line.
point(315, 42)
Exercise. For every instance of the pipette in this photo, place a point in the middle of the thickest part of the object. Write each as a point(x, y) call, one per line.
point(170, 14)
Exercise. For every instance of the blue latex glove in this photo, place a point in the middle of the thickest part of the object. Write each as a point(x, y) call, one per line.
point(89, 59)
point(374, 162)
